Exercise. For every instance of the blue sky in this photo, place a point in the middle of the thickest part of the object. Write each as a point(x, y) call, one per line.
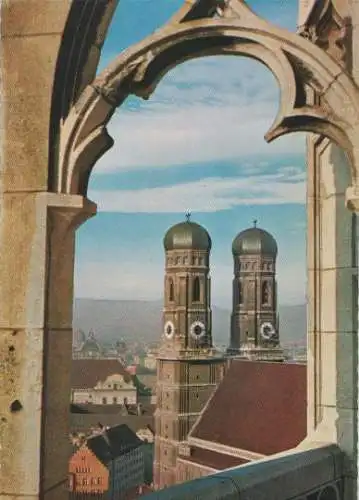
point(196, 145)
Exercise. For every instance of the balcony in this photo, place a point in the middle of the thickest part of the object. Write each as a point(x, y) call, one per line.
point(299, 474)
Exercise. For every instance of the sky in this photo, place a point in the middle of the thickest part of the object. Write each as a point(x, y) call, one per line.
point(197, 144)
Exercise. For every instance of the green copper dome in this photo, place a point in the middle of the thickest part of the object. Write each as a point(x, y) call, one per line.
point(187, 235)
point(254, 241)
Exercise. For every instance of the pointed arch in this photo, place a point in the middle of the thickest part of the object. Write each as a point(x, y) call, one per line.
point(296, 63)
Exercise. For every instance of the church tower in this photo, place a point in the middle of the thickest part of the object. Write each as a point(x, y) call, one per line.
point(188, 368)
point(254, 321)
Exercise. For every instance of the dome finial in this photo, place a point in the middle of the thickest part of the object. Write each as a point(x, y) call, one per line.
point(188, 216)
point(255, 222)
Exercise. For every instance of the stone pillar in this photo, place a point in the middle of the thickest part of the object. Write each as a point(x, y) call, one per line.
point(332, 305)
point(37, 235)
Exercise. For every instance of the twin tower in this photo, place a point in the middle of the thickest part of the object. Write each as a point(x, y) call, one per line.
point(187, 303)
point(188, 367)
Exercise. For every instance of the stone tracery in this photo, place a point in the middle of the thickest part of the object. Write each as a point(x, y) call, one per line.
point(192, 33)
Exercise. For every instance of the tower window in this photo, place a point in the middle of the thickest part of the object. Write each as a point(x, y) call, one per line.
point(265, 293)
point(196, 291)
point(171, 294)
point(240, 293)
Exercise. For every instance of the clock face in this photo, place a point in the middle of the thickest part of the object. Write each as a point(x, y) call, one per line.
point(198, 329)
point(267, 330)
point(169, 329)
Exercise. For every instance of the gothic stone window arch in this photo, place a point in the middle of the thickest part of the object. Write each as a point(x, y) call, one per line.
point(196, 290)
point(70, 181)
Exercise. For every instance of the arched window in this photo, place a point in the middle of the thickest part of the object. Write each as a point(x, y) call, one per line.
point(265, 293)
point(196, 291)
point(171, 293)
point(104, 401)
point(240, 293)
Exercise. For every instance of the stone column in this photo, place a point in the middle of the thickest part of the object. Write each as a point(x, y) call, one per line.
point(37, 235)
point(332, 305)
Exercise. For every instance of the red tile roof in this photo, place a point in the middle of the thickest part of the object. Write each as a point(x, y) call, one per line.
point(86, 373)
point(212, 459)
point(258, 407)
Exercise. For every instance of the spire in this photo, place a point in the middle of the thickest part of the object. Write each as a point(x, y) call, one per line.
point(188, 216)
point(255, 222)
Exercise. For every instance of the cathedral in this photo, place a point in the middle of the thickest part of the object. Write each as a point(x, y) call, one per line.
point(189, 369)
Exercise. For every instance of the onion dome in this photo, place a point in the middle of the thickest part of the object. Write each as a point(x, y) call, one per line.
point(187, 235)
point(254, 241)
point(91, 344)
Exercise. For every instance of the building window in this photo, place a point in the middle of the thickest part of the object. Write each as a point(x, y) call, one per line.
point(240, 293)
point(104, 401)
point(115, 387)
point(265, 293)
point(196, 291)
point(114, 400)
point(171, 294)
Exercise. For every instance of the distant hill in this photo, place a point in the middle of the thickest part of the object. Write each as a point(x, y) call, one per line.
point(113, 319)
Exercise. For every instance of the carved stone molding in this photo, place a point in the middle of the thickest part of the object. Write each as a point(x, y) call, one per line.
point(328, 30)
point(296, 63)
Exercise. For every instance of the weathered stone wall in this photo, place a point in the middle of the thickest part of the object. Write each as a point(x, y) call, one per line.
point(30, 37)
point(36, 265)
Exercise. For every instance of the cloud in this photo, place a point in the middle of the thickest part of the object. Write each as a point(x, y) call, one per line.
point(127, 280)
point(213, 109)
point(207, 195)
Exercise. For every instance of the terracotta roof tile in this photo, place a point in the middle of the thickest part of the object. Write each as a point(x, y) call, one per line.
point(258, 407)
point(86, 373)
point(212, 459)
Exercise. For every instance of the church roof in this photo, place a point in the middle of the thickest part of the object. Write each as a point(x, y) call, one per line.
point(213, 459)
point(86, 373)
point(254, 241)
point(258, 407)
point(187, 235)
